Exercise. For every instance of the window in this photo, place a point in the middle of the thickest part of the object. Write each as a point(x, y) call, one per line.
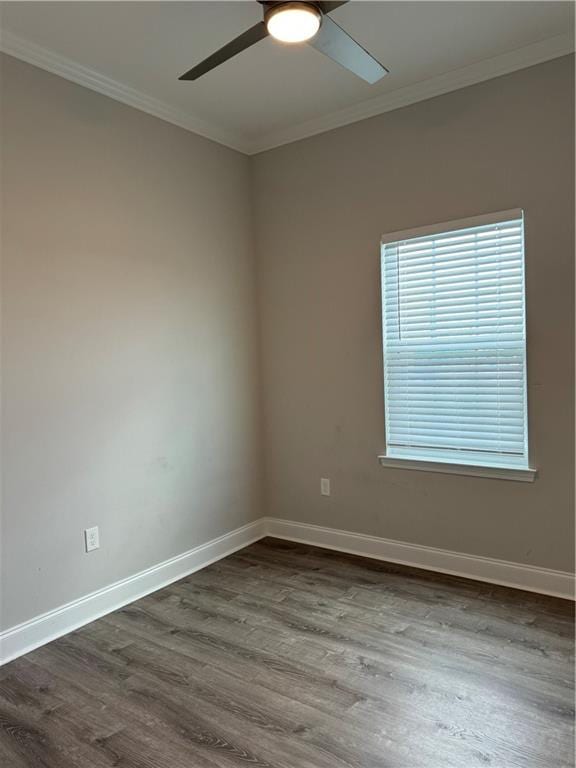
point(455, 347)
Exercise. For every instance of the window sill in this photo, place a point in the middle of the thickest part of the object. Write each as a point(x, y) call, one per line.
point(501, 473)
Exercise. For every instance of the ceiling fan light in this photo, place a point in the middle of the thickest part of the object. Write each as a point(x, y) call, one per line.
point(293, 22)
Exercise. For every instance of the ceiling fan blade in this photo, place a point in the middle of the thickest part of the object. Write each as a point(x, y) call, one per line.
point(245, 40)
point(328, 7)
point(333, 42)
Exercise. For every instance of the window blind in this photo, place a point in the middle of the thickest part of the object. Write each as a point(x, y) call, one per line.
point(455, 343)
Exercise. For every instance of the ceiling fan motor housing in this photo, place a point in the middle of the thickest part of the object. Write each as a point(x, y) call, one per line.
point(270, 8)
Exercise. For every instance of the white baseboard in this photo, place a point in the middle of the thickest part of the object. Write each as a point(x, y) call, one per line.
point(25, 637)
point(502, 572)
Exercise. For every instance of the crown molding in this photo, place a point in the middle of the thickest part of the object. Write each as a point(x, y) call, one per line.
point(486, 69)
point(527, 56)
point(70, 70)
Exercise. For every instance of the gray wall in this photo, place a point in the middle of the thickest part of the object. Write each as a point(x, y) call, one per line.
point(321, 207)
point(131, 389)
point(130, 398)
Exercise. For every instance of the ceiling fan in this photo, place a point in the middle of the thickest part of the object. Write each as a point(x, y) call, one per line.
point(298, 22)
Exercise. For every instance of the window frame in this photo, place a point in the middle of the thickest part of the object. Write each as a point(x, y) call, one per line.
point(437, 464)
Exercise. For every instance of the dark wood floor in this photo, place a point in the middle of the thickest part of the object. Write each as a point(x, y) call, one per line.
point(288, 656)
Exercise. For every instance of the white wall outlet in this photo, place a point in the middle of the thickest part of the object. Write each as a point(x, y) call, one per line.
point(92, 538)
point(325, 486)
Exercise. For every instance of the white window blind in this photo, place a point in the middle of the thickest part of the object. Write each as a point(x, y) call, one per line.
point(455, 342)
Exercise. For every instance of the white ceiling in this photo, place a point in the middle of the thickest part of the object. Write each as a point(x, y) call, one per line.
point(271, 93)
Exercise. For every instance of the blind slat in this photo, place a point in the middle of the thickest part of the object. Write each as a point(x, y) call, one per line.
point(463, 409)
point(493, 279)
point(462, 235)
point(462, 296)
point(482, 425)
point(431, 261)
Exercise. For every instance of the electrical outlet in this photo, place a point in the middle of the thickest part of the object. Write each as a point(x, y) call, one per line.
point(325, 486)
point(92, 538)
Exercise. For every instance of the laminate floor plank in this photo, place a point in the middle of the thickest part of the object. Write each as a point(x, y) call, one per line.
point(289, 656)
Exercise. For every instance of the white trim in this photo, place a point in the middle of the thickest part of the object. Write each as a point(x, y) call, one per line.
point(450, 461)
point(526, 475)
point(527, 56)
point(95, 81)
point(453, 226)
point(508, 574)
point(25, 637)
